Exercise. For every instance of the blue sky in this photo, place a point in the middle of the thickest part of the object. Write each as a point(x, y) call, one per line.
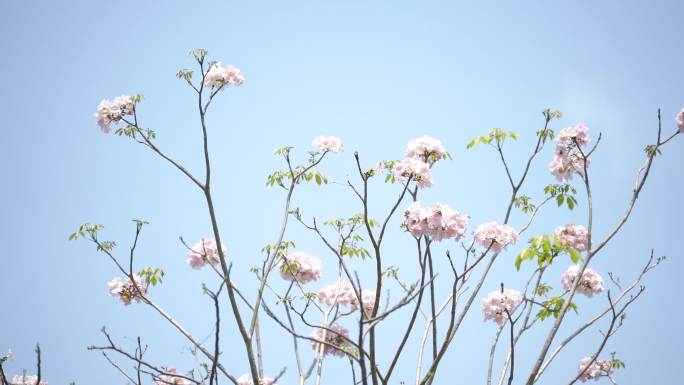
point(376, 74)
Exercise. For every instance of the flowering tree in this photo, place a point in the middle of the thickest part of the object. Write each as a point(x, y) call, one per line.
point(340, 320)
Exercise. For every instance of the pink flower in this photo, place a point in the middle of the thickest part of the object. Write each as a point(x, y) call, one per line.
point(568, 159)
point(300, 266)
point(417, 170)
point(494, 306)
point(444, 223)
point(27, 380)
point(680, 120)
point(328, 143)
point(218, 76)
point(564, 167)
point(571, 136)
point(204, 252)
point(341, 293)
point(426, 148)
point(113, 111)
point(438, 222)
point(246, 379)
point(368, 300)
point(415, 219)
point(496, 235)
point(575, 235)
point(10, 355)
point(590, 284)
point(596, 370)
point(335, 335)
point(171, 378)
point(127, 291)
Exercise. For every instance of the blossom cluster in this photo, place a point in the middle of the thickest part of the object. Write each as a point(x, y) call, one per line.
point(494, 306)
point(171, 378)
point(426, 148)
point(128, 291)
point(246, 379)
point(415, 169)
point(204, 252)
point(328, 143)
point(596, 370)
point(113, 111)
point(568, 159)
point(368, 301)
point(335, 337)
point(27, 380)
point(496, 235)
point(343, 293)
point(219, 76)
point(591, 282)
point(438, 222)
point(680, 120)
point(301, 267)
point(421, 153)
point(576, 236)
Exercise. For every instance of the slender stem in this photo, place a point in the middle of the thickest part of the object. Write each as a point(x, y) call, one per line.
point(38, 365)
point(492, 351)
point(649, 265)
point(641, 180)
point(432, 306)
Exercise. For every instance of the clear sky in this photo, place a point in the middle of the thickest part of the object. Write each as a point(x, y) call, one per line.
point(376, 74)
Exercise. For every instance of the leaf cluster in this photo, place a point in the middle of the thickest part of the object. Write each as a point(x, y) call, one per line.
point(496, 137)
point(553, 306)
point(152, 276)
point(564, 193)
point(545, 248)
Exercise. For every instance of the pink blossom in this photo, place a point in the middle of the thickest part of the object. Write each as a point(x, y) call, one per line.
point(341, 293)
point(171, 377)
point(335, 335)
point(680, 120)
point(368, 300)
point(496, 235)
point(438, 222)
point(575, 235)
point(571, 136)
point(328, 143)
point(494, 306)
point(415, 219)
point(127, 291)
point(113, 111)
point(426, 148)
point(417, 170)
point(568, 159)
point(219, 76)
point(564, 167)
point(596, 370)
point(590, 284)
point(27, 380)
point(204, 252)
point(444, 222)
point(246, 379)
point(10, 355)
point(300, 266)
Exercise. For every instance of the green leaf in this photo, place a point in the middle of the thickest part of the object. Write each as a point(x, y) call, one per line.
point(553, 306)
point(545, 248)
point(543, 289)
point(574, 255)
point(518, 261)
